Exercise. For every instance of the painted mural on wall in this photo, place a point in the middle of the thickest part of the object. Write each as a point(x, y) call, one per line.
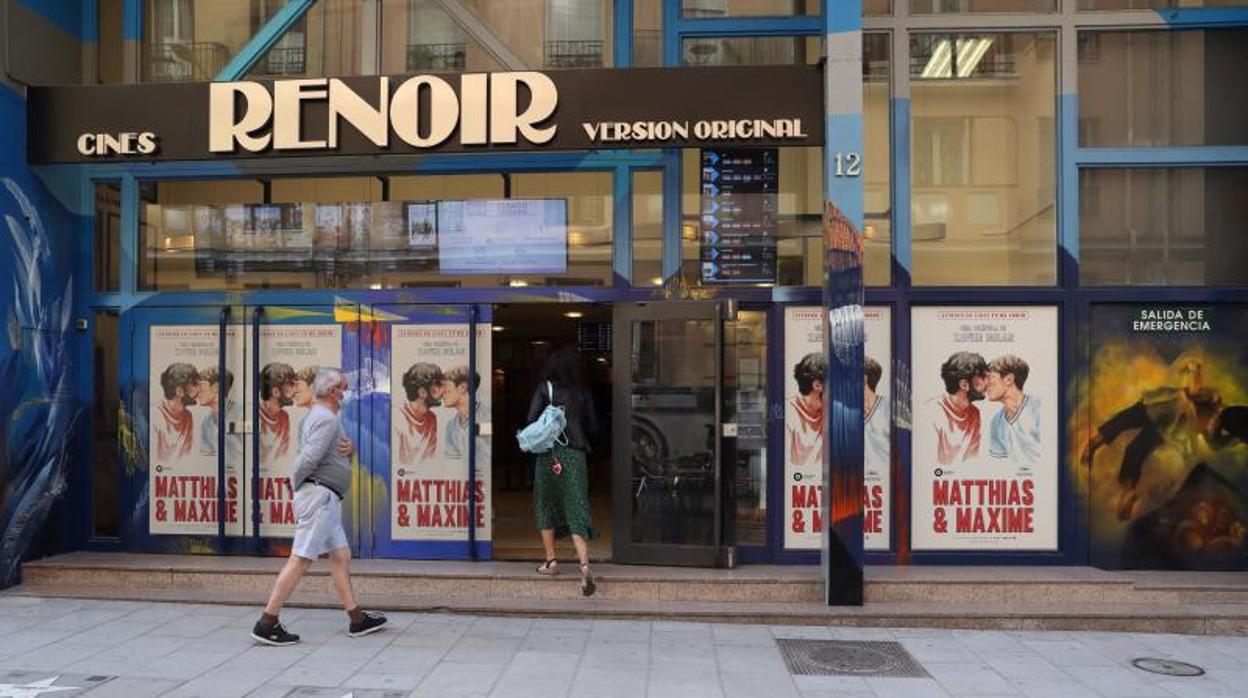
point(37, 411)
point(1167, 439)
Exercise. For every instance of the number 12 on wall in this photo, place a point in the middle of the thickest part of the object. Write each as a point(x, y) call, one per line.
point(847, 165)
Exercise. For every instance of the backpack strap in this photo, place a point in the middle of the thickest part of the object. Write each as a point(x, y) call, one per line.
point(562, 438)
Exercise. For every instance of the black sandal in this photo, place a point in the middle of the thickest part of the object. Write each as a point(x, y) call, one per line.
point(587, 582)
point(549, 568)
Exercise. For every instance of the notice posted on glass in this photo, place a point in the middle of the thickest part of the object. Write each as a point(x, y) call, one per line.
point(184, 419)
point(290, 356)
point(806, 369)
point(432, 391)
point(984, 460)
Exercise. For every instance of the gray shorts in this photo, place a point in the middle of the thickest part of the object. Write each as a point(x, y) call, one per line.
point(318, 522)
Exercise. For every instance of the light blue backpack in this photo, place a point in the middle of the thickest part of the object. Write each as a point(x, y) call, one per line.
point(546, 430)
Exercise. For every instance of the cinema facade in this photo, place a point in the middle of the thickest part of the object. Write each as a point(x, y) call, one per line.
point(206, 201)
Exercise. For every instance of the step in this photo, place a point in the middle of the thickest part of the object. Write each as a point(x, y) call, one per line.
point(450, 580)
point(1040, 598)
point(755, 583)
point(1188, 619)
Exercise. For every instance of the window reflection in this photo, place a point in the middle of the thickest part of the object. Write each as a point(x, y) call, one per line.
point(752, 50)
point(479, 35)
point(919, 7)
point(352, 233)
point(983, 149)
point(749, 8)
point(107, 252)
point(1163, 226)
point(193, 40)
point(1159, 88)
point(800, 256)
point(648, 228)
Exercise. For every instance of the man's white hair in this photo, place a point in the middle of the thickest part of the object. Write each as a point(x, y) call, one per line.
point(326, 380)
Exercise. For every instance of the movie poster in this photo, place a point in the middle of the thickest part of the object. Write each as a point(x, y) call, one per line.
point(877, 408)
point(1167, 440)
point(289, 358)
point(431, 391)
point(806, 368)
point(422, 226)
point(984, 437)
point(183, 417)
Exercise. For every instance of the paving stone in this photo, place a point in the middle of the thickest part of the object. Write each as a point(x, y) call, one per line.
point(405, 682)
point(906, 688)
point(133, 687)
point(206, 651)
point(605, 682)
point(743, 685)
point(457, 679)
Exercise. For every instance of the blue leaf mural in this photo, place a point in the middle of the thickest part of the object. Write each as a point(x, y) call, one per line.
point(36, 403)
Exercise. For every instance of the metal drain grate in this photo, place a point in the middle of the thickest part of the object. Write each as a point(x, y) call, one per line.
point(849, 658)
point(1167, 667)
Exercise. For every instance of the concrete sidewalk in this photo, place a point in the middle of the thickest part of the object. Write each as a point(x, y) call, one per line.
point(134, 649)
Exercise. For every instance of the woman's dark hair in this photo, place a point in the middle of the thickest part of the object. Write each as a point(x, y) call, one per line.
point(564, 368)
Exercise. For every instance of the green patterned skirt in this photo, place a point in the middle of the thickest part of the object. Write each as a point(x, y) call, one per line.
point(561, 502)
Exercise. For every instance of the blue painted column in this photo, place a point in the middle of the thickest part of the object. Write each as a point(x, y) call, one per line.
point(843, 301)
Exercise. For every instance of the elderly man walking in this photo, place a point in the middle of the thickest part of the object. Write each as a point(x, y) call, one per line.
point(321, 476)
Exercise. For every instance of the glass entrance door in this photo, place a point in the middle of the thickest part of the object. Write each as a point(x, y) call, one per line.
point(215, 397)
point(669, 485)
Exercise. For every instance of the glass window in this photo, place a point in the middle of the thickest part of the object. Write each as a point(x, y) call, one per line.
point(107, 236)
point(480, 35)
point(192, 40)
point(798, 223)
point(378, 232)
point(873, 8)
point(753, 50)
point(289, 56)
point(876, 149)
point(1163, 226)
point(749, 8)
point(106, 408)
point(1153, 4)
point(647, 228)
point(647, 33)
point(799, 246)
point(922, 7)
point(109, 51)
point(983, 153)
point(1161, 88)
point(745, 404)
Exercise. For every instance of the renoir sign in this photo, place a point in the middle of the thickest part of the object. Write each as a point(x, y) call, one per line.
point(472, 112)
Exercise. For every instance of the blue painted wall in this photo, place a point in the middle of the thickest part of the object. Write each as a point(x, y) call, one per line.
point(39, 409)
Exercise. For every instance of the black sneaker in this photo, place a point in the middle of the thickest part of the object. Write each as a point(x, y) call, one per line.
point(372, 623)
point(273, 634)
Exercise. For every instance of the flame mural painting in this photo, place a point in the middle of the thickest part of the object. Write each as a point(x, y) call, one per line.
point(1167, 436)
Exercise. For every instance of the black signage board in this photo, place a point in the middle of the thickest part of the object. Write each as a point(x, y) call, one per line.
point(739, 188)
point(589, 109)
